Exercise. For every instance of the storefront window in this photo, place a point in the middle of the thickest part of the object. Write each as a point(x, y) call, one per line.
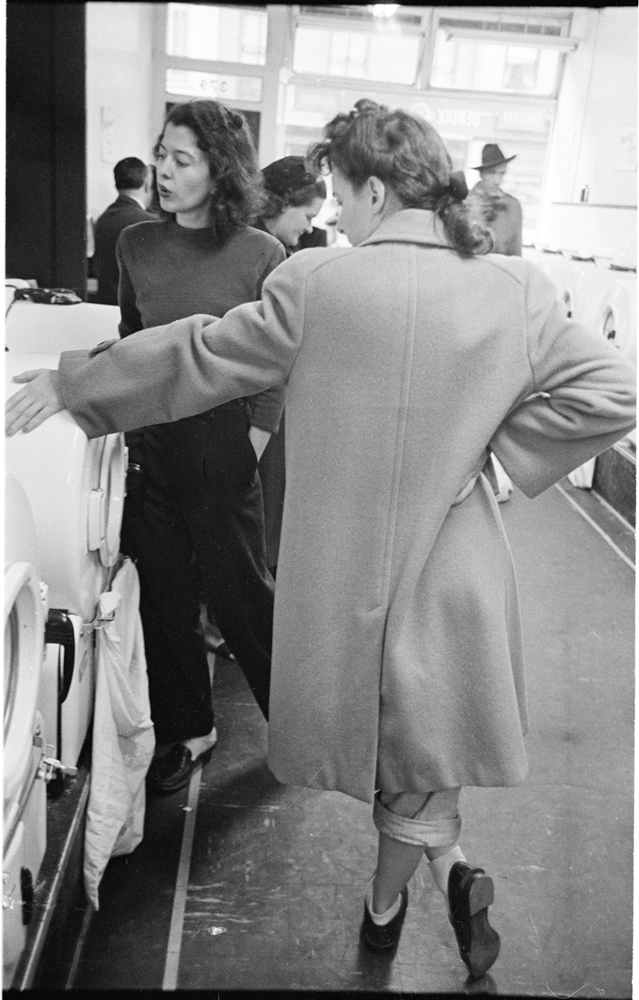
point(494, 66)
point(230, 34)
point(391, 58)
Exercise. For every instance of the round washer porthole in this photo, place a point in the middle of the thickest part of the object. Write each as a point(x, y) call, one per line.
point(609, 327)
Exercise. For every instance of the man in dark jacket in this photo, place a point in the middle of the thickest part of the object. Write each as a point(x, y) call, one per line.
point(497, 209)
point(133, 183)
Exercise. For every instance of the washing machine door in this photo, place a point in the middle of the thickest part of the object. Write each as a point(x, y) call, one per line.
point(50, 329)
point(76, 490)
point(617, 319)
point(23, 653)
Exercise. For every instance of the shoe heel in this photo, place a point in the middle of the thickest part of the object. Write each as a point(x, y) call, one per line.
point(481, 895)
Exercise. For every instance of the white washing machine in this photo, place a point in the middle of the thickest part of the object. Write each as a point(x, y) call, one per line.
point(76, 489)
point(617, 316)
point(51, 329)
point(573, 290)
point(557, 267)
point(24, 804)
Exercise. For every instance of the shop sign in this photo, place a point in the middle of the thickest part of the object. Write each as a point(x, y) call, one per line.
point(444, 117)
point(626, 152)
point(513, 120)
point(191, 83)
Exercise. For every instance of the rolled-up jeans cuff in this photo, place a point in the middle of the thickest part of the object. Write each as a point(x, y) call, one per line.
point(418, 832)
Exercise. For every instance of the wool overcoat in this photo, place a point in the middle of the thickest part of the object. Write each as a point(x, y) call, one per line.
point(397, 660)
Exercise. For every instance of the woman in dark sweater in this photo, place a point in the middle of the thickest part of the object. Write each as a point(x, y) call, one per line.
point(292, 197)
point(196, 517)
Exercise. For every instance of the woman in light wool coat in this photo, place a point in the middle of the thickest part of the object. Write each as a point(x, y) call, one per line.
point(397, 669)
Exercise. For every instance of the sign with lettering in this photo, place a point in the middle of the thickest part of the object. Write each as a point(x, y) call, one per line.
point(192, 83)
point(514, 120)
point(626, 153)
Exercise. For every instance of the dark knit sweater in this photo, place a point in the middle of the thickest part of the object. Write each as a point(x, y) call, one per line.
point(168, 272)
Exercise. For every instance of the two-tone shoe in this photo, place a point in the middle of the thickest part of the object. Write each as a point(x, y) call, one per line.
point(470, 893)
point(385, 936)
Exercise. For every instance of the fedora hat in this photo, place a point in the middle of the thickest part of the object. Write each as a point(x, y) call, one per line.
point(492, 156)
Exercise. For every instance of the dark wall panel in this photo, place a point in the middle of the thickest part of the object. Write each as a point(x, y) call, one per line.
point(45, 144)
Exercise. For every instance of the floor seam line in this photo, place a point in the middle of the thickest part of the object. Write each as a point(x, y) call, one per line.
point(174, 945)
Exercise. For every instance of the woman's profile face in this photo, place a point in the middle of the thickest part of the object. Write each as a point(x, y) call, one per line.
point(355, 219)
point(293, 221)
point(184, 182)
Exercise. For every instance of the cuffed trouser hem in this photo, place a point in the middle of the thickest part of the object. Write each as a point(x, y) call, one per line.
point(421, 828)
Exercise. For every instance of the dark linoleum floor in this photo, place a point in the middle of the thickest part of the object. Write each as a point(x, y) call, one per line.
point(277, 874)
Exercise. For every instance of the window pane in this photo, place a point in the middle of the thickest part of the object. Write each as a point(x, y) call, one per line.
point(205, 31)
point(393, 58)
point(311, 51)
point(356, 54)
point(495, 66)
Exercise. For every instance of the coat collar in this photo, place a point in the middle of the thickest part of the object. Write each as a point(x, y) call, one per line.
point(410, 225)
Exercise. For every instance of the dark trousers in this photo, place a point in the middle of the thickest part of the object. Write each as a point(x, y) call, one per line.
point(198, 521)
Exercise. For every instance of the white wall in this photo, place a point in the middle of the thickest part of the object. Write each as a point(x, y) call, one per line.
point(593, 140)
point(611, 114)
point(119, 94)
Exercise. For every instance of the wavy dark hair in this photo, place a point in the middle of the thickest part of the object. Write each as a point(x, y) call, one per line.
point(225, 139)
point(273, 204)
point(408, 155)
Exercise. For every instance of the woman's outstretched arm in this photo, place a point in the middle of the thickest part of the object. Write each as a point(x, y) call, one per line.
point(165, 373)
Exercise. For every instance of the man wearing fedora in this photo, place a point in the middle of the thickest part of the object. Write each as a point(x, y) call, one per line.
point(500, 212)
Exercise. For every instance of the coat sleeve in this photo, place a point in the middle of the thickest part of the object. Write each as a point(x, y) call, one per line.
point(583, 400)
point(267, 406)
point(165, 373)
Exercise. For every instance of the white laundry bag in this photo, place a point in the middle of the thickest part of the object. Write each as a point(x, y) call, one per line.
point(123, 735)
point(583, 476)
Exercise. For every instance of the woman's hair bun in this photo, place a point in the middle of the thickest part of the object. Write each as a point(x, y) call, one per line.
point(457, 186)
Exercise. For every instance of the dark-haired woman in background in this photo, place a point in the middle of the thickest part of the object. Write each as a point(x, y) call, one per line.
point(292, 197)
point(201, 494)
point(397, 662)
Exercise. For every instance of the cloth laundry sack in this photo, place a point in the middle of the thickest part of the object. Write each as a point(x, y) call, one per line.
point(123, 735)
point(583, 476)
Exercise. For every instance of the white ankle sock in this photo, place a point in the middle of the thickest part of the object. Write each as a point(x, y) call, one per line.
point(199, 744)
point(381, 918)
point(440, 868)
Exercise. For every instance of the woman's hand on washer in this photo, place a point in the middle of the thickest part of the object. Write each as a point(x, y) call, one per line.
point(38, 400)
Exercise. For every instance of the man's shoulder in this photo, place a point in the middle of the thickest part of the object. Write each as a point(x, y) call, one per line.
point(511, 201)
point(119, 210)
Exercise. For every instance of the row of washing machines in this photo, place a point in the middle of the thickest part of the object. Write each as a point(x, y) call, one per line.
point(598, 292)
point(603, 295)
point(64, 497)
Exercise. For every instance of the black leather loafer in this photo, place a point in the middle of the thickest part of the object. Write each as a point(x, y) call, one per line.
point(170, 773)
point(385, 937)
point(470, 893)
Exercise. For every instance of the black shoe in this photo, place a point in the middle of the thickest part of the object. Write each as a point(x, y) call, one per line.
point(224, 650)
point(470, 893)
point(381, 938)
point(170, 773)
